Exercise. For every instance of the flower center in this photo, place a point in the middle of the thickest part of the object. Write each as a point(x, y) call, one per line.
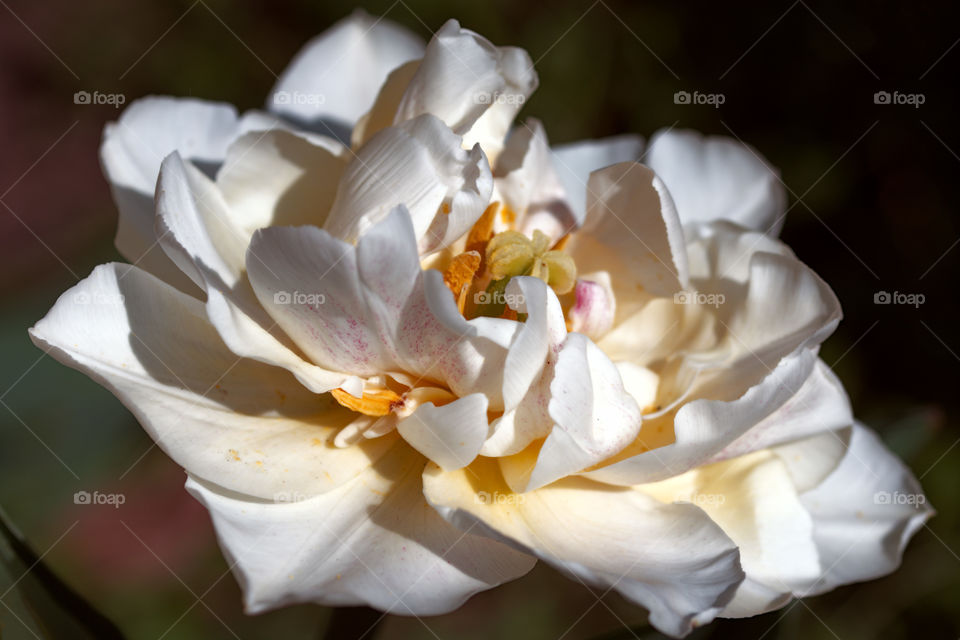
point(491, 260)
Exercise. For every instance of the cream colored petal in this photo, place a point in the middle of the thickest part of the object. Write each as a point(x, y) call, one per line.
point(372, 541)
point(669, 558)
point(632, 230)
point(244, 425)
point(334, 79)
point(419, 164)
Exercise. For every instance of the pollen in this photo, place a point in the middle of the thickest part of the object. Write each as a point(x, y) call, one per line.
point(373, 403)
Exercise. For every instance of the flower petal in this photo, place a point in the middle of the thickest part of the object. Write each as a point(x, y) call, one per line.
point(334, 79)
point(702, 428)
point(367, 309)
point(632, 230)
point(195, 227)
point(527, 369)
point(593, 414)
point(279, 178)
point(421, 165)
point(372, 541)
point(753, 499)
point(473, 86)
point(200, 234)
point(233, 421)
point(133, 147)
point(669, 558)
point(449, 435)
point(714, 178)
point(595, 305)
point(864, 513)
point(819, 405)
point(527, 183)
point(577, 160)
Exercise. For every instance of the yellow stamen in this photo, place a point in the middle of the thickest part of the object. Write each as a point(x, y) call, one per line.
point(459, 274)
point(510, 253)
point(482, 230)
point(375, 403)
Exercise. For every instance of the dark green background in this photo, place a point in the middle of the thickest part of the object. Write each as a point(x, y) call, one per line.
point(878, 186)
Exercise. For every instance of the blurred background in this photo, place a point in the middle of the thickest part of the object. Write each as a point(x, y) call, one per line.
point(873, 197)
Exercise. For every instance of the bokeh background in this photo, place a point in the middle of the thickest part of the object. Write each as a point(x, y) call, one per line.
point(873, 197)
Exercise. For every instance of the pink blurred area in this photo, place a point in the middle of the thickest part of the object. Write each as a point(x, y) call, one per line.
point(55, 201)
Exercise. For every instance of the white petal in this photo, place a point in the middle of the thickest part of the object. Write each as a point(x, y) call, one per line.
point(279, 178)
point(421, 165)
point(719, 251)
point(336, 76)
point(702, 428)
point(476, 361)
point(132, 150)
point(450, 435)
point(367, 309)
point(712, 178)
point(195, 226)
point(819, 405)
point(308, 282)
point(201, 234)
point(236, 422)
point(251, 339)
point(528, 184)
point(473, 86)
point(786, 306)
point(541, 334)
point(810, 460)
point(372, 541)
point(632, 230)
point(864, 513)
point(754, 501)
point(594, 416)
point(577, 160)
point(528, 369)
point(669, 558)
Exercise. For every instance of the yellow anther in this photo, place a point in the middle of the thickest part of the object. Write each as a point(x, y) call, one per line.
point(511, 253)
point(482, 230)
point(459, 274)
point(373, 403)
point(540, 242)
point(560, 271)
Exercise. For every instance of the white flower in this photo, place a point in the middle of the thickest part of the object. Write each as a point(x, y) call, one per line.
point(397, 375)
